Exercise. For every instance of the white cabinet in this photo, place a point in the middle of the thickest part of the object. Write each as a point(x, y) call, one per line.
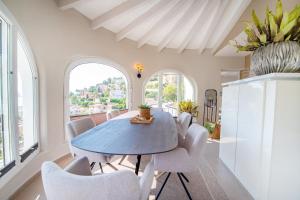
point(248, 146)
point(260, 135)
point(229, 125)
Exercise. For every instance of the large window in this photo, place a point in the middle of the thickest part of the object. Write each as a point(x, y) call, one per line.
point(18, 98)
point(26, 100)
point(166, 89)
point(96, 88)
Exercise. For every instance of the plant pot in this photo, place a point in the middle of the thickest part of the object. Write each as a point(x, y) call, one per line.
point(145, 113)
point(281, 57)
point(216, 133)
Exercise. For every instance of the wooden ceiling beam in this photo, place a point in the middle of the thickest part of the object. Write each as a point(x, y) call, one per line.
point(191, 10)
point(118, 10)
point(164, 20)
point(231, 16)
point(204, 11)
point(67, 4)
point(154, 10)
point(212, 22)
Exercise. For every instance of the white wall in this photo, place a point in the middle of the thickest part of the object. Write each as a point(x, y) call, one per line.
point(58, 37)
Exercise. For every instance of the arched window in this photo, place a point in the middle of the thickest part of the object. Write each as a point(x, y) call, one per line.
point(167, 89)
point(96, 88)
point(18, 95)
point(26, 100)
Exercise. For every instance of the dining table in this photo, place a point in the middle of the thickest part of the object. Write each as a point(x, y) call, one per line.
point(119, 136)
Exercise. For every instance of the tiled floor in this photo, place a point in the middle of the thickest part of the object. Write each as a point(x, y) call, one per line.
point(213, 182)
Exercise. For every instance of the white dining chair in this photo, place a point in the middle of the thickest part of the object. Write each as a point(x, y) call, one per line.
point(112, 114)
point(77, 182)
point(182, 123)
point(77, 127)
point(183, 159)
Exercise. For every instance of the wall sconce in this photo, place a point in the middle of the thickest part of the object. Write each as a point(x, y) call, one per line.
point(139, 68)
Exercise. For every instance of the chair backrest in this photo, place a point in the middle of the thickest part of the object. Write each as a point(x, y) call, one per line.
point(112, 114)
point(60, 184)
point(79, 166)
point(195, 141)
point(184, 120)
point(76, 127)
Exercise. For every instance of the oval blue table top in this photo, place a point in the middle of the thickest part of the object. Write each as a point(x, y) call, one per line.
point(120, 137)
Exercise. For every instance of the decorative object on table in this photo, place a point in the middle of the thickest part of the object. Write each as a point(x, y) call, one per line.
point(145, 111)
point(210, 106)
point(139, 68)
point(275, 42)
point(189, 107)
point(141, 120)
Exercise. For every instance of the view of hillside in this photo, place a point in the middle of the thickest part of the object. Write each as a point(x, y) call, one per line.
point(106, 95)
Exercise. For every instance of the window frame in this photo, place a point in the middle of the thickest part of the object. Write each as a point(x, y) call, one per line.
point(16, 34)
point(76, 61)
point(160, 86)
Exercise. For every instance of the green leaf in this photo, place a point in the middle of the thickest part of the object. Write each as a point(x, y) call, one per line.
point(263, 38)
point(288, 38)
point(273, 25)
point(257, 22)
point(295, 13)
point(279, 12)
point(267, 24)
point(246, 48)
point(289, 27)
point(254, 44)
point(285, 20)
point(251, 35)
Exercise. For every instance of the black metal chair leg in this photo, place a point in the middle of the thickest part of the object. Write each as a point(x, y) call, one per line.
point(162, 187)
point(122, 159)
point(186, 190)
point(185, 178)
point(137, 166)
point(100, 167)
point(92, 165)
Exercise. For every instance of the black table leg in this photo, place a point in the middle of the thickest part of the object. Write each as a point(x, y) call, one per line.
point(137, 166)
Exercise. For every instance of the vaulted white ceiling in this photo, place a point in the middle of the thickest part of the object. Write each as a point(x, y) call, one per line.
point(179, 24)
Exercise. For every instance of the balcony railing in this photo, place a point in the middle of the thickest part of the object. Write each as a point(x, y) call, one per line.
point(97, 117)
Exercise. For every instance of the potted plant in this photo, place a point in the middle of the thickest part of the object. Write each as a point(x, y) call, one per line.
point(189, 107)
point(213, 129)
point(210, 127)
point(275, 42)
point(145, 111)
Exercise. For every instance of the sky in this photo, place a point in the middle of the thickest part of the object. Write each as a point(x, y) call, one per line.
point(90, 74)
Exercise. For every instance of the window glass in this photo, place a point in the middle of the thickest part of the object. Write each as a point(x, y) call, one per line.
point(151, 91)
point(96, 88)
point(6, 151)
point(25, 121)
point(166, 90)
point(170, 92)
